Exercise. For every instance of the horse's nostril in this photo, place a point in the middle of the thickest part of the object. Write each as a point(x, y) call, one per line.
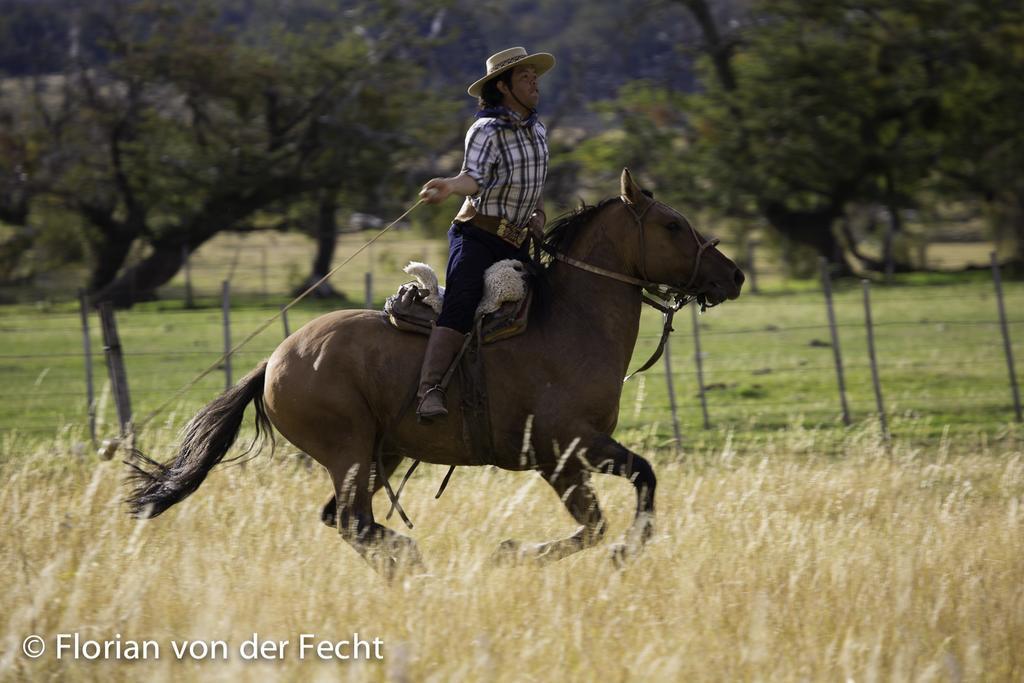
point(739, 277)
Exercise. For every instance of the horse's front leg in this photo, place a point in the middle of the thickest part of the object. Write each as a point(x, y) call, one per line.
point(571, 483)
point(605, 455)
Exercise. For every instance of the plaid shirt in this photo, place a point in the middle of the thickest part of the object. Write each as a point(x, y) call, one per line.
point(509, 162)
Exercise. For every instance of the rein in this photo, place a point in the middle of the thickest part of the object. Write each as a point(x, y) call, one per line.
point(669, 298)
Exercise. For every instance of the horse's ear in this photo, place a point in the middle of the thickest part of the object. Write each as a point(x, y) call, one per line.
point(629, 190)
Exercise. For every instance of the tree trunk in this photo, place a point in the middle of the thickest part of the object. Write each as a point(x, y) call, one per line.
point(326, 241)
point(812, 229)
point(873, 264)
point(108, 257)
point(1016, 221)
point(140, 281)
point(14, 209)
point(718, 50)
point(326, 235)
point(888, 257)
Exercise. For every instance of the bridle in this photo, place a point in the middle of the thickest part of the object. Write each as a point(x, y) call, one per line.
point(667, 298)
point(638, 216)
point(659, 289)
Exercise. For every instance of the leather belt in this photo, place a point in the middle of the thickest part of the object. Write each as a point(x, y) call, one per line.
point(501, 227)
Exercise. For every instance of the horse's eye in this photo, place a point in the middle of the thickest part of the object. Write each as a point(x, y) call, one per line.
point(674, 226)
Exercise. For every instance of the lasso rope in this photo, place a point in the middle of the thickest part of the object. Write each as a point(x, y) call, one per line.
point(142, 423)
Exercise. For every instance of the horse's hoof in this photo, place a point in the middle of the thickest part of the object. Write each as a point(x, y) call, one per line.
point(329, 514)
point(622, 554)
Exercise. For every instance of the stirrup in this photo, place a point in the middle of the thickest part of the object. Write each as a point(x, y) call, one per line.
point(429, 417)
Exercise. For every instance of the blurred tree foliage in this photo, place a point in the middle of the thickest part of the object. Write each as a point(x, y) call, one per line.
point(980, 135)
point(176, 123)
point(808, 109)
point(147, 126)
point(154, 124)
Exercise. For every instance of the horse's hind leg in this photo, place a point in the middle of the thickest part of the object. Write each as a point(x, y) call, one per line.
point(355, 482)
point(329, 513)
point(573, 487)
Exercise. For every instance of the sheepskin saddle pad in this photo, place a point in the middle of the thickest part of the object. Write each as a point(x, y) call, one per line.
point(502, 312)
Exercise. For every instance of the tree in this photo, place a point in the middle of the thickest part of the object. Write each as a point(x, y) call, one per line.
point(822, 106)
point(188, 128)
point(811, 109)
point(981, 134)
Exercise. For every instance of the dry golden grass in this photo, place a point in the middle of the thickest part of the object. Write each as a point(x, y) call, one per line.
point(778, 565)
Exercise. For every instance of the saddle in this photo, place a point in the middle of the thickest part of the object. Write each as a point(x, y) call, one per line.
point(407, 311)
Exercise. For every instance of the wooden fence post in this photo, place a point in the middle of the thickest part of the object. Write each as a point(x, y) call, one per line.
point(826, 285)
point(115, 367)
point(225, 308)
point(672, 393)
point(284, 319)
point(83, 307)
point(369, 290)
point(133, 272)
point(1007, 346)
point(874, 364)
point(700, 365)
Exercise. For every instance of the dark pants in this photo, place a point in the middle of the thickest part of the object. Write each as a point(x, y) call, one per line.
point(471, 251)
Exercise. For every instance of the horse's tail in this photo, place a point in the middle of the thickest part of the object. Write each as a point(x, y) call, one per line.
point(206, 439)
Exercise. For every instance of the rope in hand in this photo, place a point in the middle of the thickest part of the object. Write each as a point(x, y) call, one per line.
point(144, 421)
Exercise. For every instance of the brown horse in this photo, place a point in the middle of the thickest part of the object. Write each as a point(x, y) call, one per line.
point(340, 387)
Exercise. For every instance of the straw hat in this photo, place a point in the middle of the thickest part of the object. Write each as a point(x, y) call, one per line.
point(508, 59)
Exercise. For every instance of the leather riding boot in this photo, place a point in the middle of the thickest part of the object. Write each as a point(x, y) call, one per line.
point(442, 347)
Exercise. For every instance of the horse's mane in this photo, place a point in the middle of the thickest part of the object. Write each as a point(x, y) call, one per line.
point(565, 228)
point(558, 237)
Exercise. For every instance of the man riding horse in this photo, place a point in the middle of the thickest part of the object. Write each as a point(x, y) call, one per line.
point(502, 180)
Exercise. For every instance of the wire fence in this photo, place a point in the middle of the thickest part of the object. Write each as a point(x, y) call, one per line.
point(764, 362)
